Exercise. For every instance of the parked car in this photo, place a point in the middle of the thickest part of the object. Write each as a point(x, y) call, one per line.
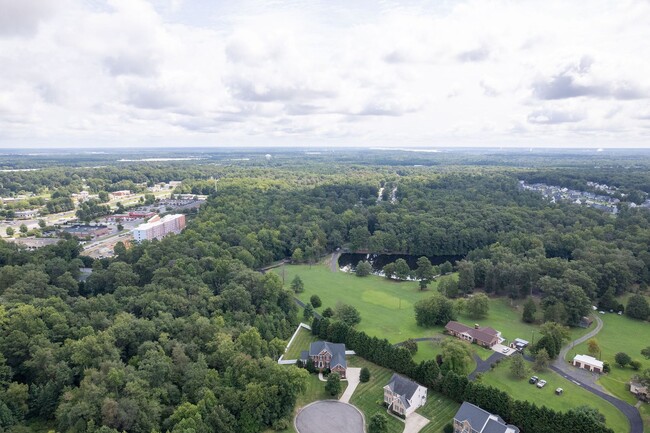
point(541, 383)
point(533, 380)
point(601, 312)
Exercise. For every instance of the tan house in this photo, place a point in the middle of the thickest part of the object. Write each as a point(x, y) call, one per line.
point(327, 355)
point(588, 363)
point(483, 336)
point(640, 391)
point(403, 396)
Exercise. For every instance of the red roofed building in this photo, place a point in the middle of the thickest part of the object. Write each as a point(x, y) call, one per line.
point(486, 337)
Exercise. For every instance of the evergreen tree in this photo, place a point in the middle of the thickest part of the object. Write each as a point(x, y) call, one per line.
point(333, 384)
point(542, 360)
point(364, 375)
point(530, 308)
point(378, 423)
point(297, 285)
point(363, 269)
point(518, 366)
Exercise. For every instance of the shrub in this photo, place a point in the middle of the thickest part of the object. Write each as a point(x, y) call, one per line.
point(622, 359)
point(606, 367)
point(315, 301)
point(281, 424)
point(636, 365)
point(328, 312)
point(364, 376)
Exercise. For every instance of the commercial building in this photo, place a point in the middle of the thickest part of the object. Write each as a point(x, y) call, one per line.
point(85, 231)
point(158, 228)
point(26, 214)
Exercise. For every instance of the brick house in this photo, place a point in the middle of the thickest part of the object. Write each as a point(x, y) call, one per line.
point(327, 355)
point(483, 336)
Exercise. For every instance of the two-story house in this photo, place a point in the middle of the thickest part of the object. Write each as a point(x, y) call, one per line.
point(327, 355)
point(403, 396)
point(473, 419)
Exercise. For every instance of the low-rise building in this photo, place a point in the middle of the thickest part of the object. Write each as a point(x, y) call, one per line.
point(403, 396)
point(483, 336)
point(326, 355)
point(158, 228)
point(640, 391)
point(34, 243)
point(588, 363)
point(472, 419)
point(87, 231)
point(26, 214)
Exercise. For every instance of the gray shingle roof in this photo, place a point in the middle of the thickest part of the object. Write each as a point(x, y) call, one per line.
point(402, 386)
point(476, 416)
point(336, 349)
point(483, 421)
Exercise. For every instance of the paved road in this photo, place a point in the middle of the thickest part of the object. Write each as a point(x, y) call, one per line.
point(576, 375)
point(483, 366)
point(334, 261)
point(327, 416)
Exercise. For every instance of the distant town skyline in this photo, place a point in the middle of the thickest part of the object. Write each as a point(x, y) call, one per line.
point(392, 74)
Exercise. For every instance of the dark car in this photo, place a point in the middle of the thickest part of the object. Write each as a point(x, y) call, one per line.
point(533, 380)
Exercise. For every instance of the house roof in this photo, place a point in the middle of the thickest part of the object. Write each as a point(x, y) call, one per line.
point(586, 359)
point(403, 387)
point(484, 335)
point(337, 350)
point(483, 421)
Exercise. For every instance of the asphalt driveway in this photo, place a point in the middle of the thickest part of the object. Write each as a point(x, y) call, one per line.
point(328, 416)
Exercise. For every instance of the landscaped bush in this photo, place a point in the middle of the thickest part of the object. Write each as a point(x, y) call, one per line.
point(364, 375)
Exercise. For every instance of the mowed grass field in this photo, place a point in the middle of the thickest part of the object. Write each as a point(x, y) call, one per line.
point(572, 397)
point(386, 306)
point(368, 397)
point(621, 334)
point(300, 343)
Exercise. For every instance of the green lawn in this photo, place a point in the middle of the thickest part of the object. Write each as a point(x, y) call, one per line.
point(620, 334)
point(429, 349)
point(315, 390)
point(573, 396)
point(386, 307)
point(300, 343)
point(368, 397)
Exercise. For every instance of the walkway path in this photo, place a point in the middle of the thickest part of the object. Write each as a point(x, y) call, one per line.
point(352, 376)
point(583, 375)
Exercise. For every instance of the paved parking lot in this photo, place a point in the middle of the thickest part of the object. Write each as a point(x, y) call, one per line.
point(328, 416)
point(500, 348)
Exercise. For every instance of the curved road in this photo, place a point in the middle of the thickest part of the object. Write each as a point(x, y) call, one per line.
point(577, 376)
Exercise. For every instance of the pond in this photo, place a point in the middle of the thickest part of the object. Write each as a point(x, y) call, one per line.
point(378, 261)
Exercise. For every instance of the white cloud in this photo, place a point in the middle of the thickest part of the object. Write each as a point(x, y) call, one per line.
point(255, 73)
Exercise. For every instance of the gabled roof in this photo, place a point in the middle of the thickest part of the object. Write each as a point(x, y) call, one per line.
point(337, 350)
point(403, 387)
point(586, 359)
point(485, 335)
point(483, 421)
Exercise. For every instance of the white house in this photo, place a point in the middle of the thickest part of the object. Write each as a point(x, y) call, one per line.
point(588, 363)
point(403, 396)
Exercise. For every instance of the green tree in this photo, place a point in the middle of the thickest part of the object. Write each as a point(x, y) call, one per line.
point(23, 228)
point(518, 366)
point(10, 231)
point(448, 286)
point(364, 375)
point(456, 356)
point(389, 270)
point(42, 224)
point(424, 271)
point(402, 270)
point(308, 312)
point(646, 352)
point(333, 384)
point(435, 310)
point(542, 360)
point(315, 301)
point(478, 306)
point(328, 312)
point(637, 307)
point(378, 423)
point(297, 256)
point(622, 359)
point(530, 308)
point(466, 282)
point(347, 314)
point(364, 268)
point(297, 285)
point(446, 268)
point(411, 345)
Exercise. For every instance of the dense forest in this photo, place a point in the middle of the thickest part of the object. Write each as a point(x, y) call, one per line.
point(182, 334)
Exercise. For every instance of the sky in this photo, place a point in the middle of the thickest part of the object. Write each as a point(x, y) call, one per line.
point(331, 73)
